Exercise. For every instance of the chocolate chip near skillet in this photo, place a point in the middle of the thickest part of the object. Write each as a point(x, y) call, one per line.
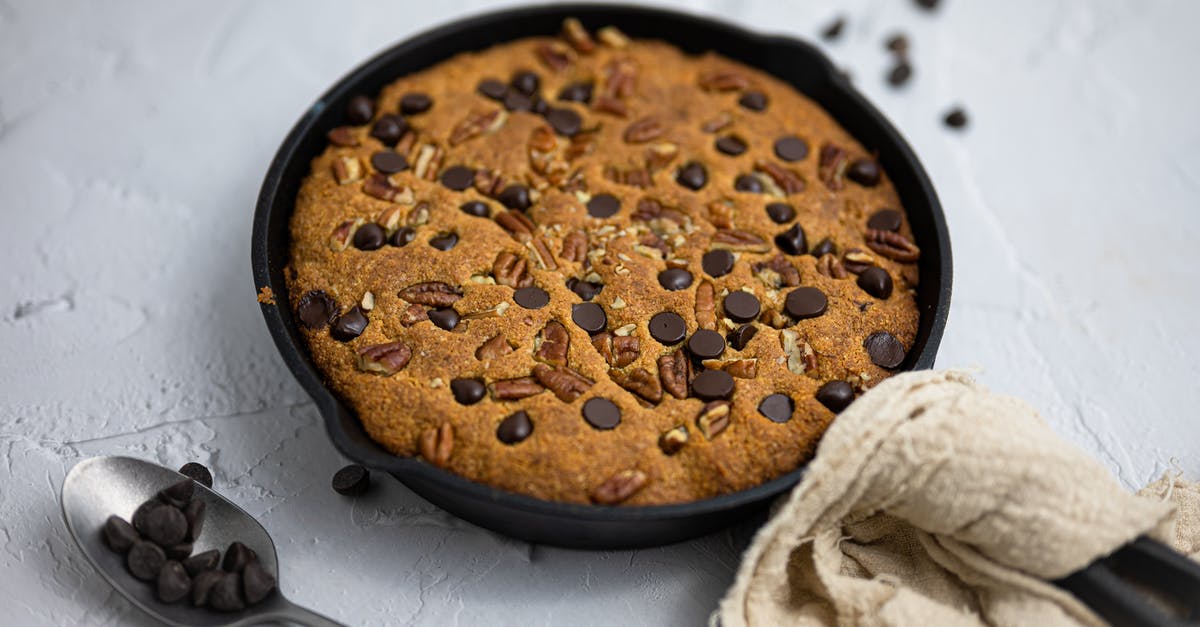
point(369, 236)
point(201, 562)
point(564, 121)
point(886, 220)
point(742, 306)
point(834, 30)
point(444, 318)
point(444, 241)
point(576, 92)
point(589, 316)
point(823, 247)
point(525, 82)
point(402, 237)
point(360, 110)
point(198, 473)
point(706, 344)
point(835, 395)
point(791, 148)
point(389, 129)
point(458, 177)
point(730, 145)
point(717, 263)
point(351, 480)
point(515, 197)
point(349, 325)
point(531, 297)
point(781, 212)
point(316, 309)
point(389, 162)
point(777, 407)
point(711, 385)
point(792, 241)
point(884, 349)
point(865, 172)
point(119, 535)
point(226, 594)
point(805, 302)
point(667, 327)
point(166, 526)
point(414, 103)
point(145, 559)
point(900, 74)
point(476, 208)
point(740, 337)
point(692, 176)
point(753, 100)
point(876, 282)
point(515, 428)
point(603, 206)
point(748, 183)
point(602, 413)
point(897, 43)
point(173, 583)
point(584, 289)
point(675, 279)
point(956, 118)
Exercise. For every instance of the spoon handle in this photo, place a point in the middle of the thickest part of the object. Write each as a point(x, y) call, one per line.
point(292, 613)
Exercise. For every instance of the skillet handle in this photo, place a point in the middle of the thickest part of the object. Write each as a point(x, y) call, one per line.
point(1121, 586)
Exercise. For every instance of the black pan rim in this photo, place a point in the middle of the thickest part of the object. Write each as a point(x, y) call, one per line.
point(295, 355)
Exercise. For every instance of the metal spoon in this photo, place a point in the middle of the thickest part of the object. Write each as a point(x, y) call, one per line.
point(101, 486)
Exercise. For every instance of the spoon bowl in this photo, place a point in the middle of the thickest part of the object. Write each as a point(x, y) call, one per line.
point(99, 487)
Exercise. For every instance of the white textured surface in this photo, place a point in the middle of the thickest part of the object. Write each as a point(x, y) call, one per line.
point(133, 137)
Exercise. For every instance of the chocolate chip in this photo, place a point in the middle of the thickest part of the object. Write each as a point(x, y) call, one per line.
point(194, 513)
point(517, 101)
point(823, 247)
point(900, 74)
point(179, 551)
point(525, 82)
point(835, 395)
point(603, 206)
point(741, 306)
point(237, 556)
point(492, 88)
point(226, 594)
point(565, 121)
point(369, 236)
point(602, 413)
point(119, 534)
point(885, 220)
point(731, 145)
point(412, 104)
point(389, 129)
point(360, 110)
point(589, 316)
point(173, 582)
point(706, 344)
point(145, 559)
point(897, 43)
point(198, 472)
point(956, 118)
point(717, 263)
point(928, 5)
point(142, 512)
point(692, 176)
point(748, 183)
point(515, 428)
point(865, 172)
point(257, 583)
point(576, 92)
point(444, 318)
point(777, 407)
point(316, 309)
point(515, 197)
point(402, 237)
point(876, 282)
point(675, 279)
point(740, 337)
point(531, 297)
point(201, 562)
point(177, 494)
point(166, 525)
point(458, 177)
point(389, 161)
point(884, 349)
point(667, 327)
point(202, 585)
point(444, 241)
point(805, 302)
point(792, 241)
point(753, 100)
point(834, 30)
point(791, 148)
point(476, 208)
point(351, 480)
point(584, 289)
point(349, 325)
point(711, 385)
point(781, 212)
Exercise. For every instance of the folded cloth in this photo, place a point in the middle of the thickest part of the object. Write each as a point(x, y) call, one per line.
point(933, 502)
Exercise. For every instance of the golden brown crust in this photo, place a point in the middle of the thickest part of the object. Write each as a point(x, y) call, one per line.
point(666, 112)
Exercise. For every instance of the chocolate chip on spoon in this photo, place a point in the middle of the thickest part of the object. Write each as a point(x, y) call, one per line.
point(166, 525)
point(201, 562)
point(145, 559)
point(226, 594)
point(257, 583)
point(202, 585)
point(237, 556)
point(177, 494)
point(173, 583)
point(119, 534)
point(179, 551)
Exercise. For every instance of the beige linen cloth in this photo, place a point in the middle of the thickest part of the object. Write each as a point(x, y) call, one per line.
point(933, 502)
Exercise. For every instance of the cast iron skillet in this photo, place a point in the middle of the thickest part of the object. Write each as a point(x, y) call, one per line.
point(571, 525)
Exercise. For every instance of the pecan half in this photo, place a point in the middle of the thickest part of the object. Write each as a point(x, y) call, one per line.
point(431, 294)
point(477, 123)
point(658, 249)
point(659, 155)
point(516, 223)
point(706, 307)
point(723, 120)
point(511, 270)
point(831, 164)
point(800, 356)
point(722, 80)
point(489, 182)
point(581, 145)
point(340, 238)
point(740, 368)
point(555, 55)
point(741, 241)
point(386, 359)
point(633, 177)
point(428, 162)
point(576, 35)
point(620, 77)
point(829, 266)
point(566, 383)
point(343, 136)
point(378, 186)
point(574, 247)
point(612, 36)
point(713, 418)
point(675, 371)
point(513, 389)
point(437, 444)
point(618, 350)
point(542, 254)
point(777, 272)
point(720, 214)
point(347, 170)
point(389, 219)
point(641, 382)
point(553, 344)
point(419, 215)
point(653, 212)
point(643, 130)
point(413, 314)
point(857, 260)
point(894, 246)
point(610, 105)
point(788, 181)
point(674, 440)
point(493, 347)
point(619, 487)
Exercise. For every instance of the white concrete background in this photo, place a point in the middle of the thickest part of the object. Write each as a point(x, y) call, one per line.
point(134, 135)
